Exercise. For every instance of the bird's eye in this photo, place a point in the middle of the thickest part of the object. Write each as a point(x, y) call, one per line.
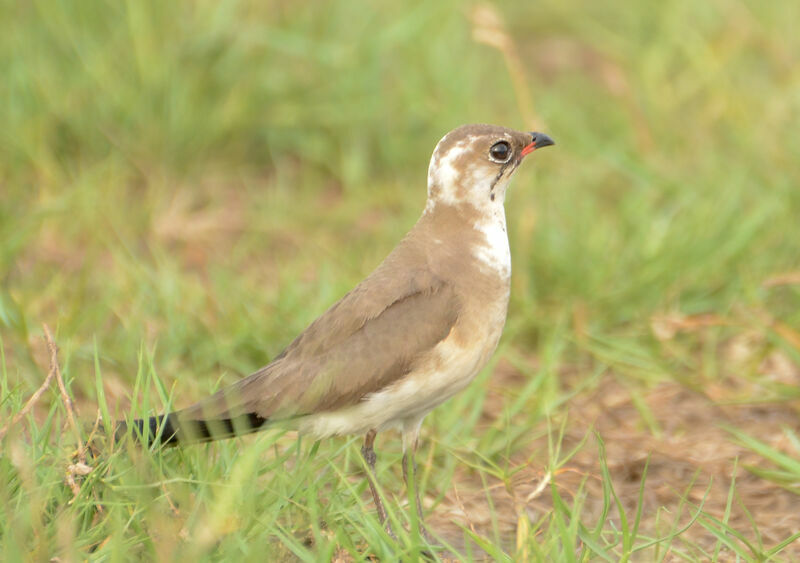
point(500, 151)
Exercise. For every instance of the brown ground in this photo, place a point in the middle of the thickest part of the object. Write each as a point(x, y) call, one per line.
point(691, 456)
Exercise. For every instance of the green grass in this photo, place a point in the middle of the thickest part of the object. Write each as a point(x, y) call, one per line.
point(184, 186)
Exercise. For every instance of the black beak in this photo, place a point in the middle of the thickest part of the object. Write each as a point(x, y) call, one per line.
point(538, 140)
point(541, 140)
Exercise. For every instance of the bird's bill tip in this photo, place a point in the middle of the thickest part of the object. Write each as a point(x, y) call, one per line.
point(538, 141)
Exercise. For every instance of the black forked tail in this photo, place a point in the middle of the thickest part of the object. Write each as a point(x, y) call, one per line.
point(170, 430)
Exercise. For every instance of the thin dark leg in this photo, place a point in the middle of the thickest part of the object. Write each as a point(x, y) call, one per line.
point(420, 518)
point(370, 458)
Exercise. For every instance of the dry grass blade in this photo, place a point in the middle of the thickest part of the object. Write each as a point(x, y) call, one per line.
point(79, 467)
point(787, 333)
point(667, 326)
point(789, 278)
point(489, 28)
point(38, 393)
point(539, 488)
point(56, 370)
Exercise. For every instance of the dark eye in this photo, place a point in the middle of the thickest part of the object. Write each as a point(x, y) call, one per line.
point(500, 151)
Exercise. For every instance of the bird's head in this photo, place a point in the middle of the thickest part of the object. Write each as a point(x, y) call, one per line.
point(473, 164)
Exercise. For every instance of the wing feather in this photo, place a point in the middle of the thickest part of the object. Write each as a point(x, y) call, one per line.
point(369, 339)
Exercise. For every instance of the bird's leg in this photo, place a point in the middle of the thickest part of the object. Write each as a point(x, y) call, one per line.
point(408, 460)
point(370, 458)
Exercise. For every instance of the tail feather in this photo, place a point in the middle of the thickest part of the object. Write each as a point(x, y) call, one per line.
point(172, 430)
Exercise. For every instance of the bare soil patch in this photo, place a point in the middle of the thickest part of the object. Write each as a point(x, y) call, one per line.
point(692, 459)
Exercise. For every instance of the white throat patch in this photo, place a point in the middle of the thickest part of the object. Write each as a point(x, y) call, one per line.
point(494, 253)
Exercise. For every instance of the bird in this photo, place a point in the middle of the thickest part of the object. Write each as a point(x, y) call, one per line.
point(411, 335)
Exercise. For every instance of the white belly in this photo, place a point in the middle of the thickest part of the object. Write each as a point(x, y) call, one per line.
point(448, 370)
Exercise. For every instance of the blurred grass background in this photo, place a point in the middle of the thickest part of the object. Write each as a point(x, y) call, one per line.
point(184, 186)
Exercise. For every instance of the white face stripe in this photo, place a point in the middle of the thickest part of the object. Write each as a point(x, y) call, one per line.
point(476, 181)
point(443, 173)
